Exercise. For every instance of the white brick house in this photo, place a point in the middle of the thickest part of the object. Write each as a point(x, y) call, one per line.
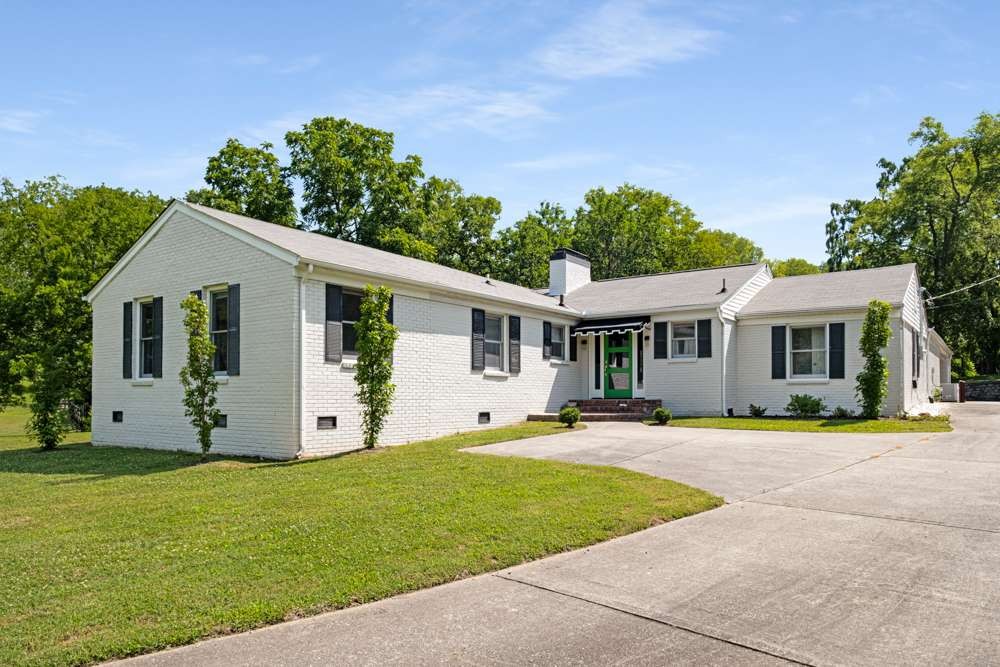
point(472, 351)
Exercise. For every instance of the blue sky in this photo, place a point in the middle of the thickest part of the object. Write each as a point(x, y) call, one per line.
point(755, 115)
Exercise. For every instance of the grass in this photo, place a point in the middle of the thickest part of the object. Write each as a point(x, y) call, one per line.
point(110, 552)
point(819, 424)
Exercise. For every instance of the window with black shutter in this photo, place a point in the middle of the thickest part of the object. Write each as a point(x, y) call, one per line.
point(478, 339)
point(127, 340)
point(514, 344)
point(778, 352)
point(219, 328)
point(546, 340)
point(704, 339)
point(233, 320)
point(660, 349)
point(837, 350)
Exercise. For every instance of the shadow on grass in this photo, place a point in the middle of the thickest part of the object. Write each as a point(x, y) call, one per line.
point(95, 463)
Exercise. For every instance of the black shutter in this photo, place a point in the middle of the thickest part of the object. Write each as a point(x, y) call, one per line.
point(572, 345)
point(127, 340)
point(704, 338)
point(334, 335)
point(778, 352)
point(478, 339)
point(233, 363)
point(514, 353)
point(837, 350)
point(158, 336)
point(597, 361)
point(920, 350)
point(546, 340)
point(196, 293)
point(659, 340)
point(392, 303)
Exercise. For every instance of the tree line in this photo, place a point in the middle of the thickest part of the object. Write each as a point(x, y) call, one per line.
point(938, 208)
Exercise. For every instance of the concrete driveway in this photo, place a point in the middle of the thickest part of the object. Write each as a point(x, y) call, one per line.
point(834, 550)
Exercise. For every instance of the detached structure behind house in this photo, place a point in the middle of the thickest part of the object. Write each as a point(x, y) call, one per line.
point(472, 351)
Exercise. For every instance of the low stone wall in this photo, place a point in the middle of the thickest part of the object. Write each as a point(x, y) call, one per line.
point(983, 391)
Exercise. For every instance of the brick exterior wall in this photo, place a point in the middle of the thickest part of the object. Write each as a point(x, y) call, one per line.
point(436, 390)
point(185, 255)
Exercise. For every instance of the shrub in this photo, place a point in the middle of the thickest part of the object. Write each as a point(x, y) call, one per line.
point(804, 405)
point(757, 411)
point(569, 416)
point(662, 415)
point(197, 377)
point(376, 339)
point(842, 413)
point(872, 381)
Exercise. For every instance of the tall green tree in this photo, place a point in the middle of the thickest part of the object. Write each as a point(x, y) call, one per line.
point(940, 208)
point(352, 186)
point(56, 241)
point(873, 378)
point(248, 180)
point(197, 376)
point(524, 249)
point(793, 266)
point(373, 374)
point(459, 225)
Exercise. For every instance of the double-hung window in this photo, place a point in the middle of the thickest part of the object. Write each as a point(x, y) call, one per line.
point(219, 329)
point(352, 313)
point(558, 347)
point(808, 352)
point(494, 342)
point(683, 342)
point(146, 330)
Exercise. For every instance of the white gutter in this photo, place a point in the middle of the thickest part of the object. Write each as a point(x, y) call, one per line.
point(723, 346)
point(302, 366)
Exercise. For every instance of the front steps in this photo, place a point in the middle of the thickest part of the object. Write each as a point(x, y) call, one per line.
point(607, 410)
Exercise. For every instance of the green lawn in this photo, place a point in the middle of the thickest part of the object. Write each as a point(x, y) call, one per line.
point(108, 552)
point(818, 425)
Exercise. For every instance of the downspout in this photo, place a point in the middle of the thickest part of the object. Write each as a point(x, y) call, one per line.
point(902, 365)
point(301, 365)
point(723, 347)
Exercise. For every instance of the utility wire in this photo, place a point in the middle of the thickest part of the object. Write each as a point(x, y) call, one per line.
point(931, 299)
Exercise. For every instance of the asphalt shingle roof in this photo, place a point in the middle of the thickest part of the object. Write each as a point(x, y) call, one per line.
point(647, 294)
point(320, 249)
point(840, 290)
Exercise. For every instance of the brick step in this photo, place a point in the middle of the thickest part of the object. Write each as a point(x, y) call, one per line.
point(592, 417)
point(613, 405)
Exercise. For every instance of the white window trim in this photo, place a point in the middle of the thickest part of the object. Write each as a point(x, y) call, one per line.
point(491, 371)
point(348, 355)
point(562, 358)
point(208, 292)
point(670, 342)
point(807, 379)
point(147, 378)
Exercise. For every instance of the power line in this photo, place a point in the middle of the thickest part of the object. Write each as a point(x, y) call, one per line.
point(931, 299)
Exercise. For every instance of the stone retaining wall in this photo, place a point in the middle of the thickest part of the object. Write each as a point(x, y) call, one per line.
point(983, 391)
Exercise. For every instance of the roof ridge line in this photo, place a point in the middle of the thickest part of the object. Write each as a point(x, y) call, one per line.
point(669, 273)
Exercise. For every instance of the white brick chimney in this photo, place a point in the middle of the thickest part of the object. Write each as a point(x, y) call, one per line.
point(568, 270)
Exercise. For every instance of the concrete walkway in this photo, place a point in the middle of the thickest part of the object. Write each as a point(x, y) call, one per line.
point(834, 550)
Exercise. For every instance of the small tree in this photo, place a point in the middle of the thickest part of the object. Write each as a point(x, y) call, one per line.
point(872, 381)
point(376, 339)
point(197, 376)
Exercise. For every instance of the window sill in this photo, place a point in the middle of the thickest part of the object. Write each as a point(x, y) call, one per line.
point(222, 379)
point(142, 382)
point(815, 380)
point(348, 364)
point(558, 362)
point(682, 360)
point(495, 374)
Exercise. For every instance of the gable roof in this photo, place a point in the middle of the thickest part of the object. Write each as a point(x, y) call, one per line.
point(661, 291)
point(840, 290)
point(295, 246)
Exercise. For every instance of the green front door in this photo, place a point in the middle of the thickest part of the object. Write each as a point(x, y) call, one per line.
point(618, 365)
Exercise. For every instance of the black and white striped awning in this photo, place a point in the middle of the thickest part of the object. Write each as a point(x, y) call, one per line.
point(611, 326)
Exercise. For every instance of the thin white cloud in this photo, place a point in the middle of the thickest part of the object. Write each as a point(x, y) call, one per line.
point(873, 96)
point(251, 60)
point(621, 39)
point(104, 139)
point(301, 64)
point(450, 106)
point(19, 121)
point(793, 208)
point(659, 173)
point(561, 161)
point(274, 130)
